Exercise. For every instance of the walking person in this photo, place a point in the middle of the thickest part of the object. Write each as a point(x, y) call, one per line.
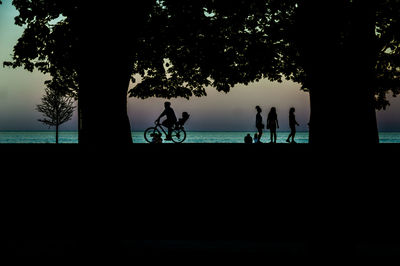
point(259, 124)
point(292, 125)
point(272, 124)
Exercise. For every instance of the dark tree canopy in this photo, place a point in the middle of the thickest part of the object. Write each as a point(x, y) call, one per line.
point(181, 46)
point(210, 43)
point(388, 50)
point(385, 44)
point(47, 43)
point(184, 46)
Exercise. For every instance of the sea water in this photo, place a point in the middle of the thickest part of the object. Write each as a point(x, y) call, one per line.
point(39, 137)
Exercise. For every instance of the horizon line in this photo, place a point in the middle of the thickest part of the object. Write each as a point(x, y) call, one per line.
point(239, 131)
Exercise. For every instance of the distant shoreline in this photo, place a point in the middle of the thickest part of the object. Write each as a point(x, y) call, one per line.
point(66, 136)
point(195, 131)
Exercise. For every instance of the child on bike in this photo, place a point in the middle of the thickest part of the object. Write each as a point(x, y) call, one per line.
point(182, 121)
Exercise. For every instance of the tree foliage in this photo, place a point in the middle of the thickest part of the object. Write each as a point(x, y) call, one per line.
point(388, 52)
point(47, 43)
point(210, 43)
point(184, 46)
point(385, 42)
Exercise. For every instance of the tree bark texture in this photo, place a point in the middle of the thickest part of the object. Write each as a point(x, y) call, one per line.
point(107, 47)
point(336, 44)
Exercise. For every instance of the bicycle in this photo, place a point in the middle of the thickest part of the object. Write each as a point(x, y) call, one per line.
point(178, 133)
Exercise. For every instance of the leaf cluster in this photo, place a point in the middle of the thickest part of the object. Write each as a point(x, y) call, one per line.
point(210, 43)
point(388, 52)
point(181, 47)
point(48, 42)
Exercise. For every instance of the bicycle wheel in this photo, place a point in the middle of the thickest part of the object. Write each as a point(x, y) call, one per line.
point(149, 133)
point(178, 135)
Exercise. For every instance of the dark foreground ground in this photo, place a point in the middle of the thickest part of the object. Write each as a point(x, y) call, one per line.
point(207, 199)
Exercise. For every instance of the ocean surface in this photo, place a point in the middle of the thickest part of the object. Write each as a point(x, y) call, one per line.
point(33, 137)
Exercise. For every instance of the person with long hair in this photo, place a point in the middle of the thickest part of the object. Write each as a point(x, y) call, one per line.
point(272, 124)
point(292, 125)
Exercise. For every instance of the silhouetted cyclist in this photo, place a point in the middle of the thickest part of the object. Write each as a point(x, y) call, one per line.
point(171, 119)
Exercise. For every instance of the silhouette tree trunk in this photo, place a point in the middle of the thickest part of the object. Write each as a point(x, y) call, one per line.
point(103, 103)
point(107, 36)
point(336, 44)
point(106, 55)
point(337, 48)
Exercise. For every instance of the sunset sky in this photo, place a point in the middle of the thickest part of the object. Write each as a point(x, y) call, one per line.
point(20, 92)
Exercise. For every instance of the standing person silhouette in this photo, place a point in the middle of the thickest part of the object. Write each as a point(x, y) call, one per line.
point(292, 125)
point(272, 124)
point(170, 121)
point(259, 124)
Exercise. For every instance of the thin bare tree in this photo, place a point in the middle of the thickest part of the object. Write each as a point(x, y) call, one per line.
point(56, 107)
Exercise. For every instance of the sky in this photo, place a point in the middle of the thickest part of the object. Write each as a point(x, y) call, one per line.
point(21, 91)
